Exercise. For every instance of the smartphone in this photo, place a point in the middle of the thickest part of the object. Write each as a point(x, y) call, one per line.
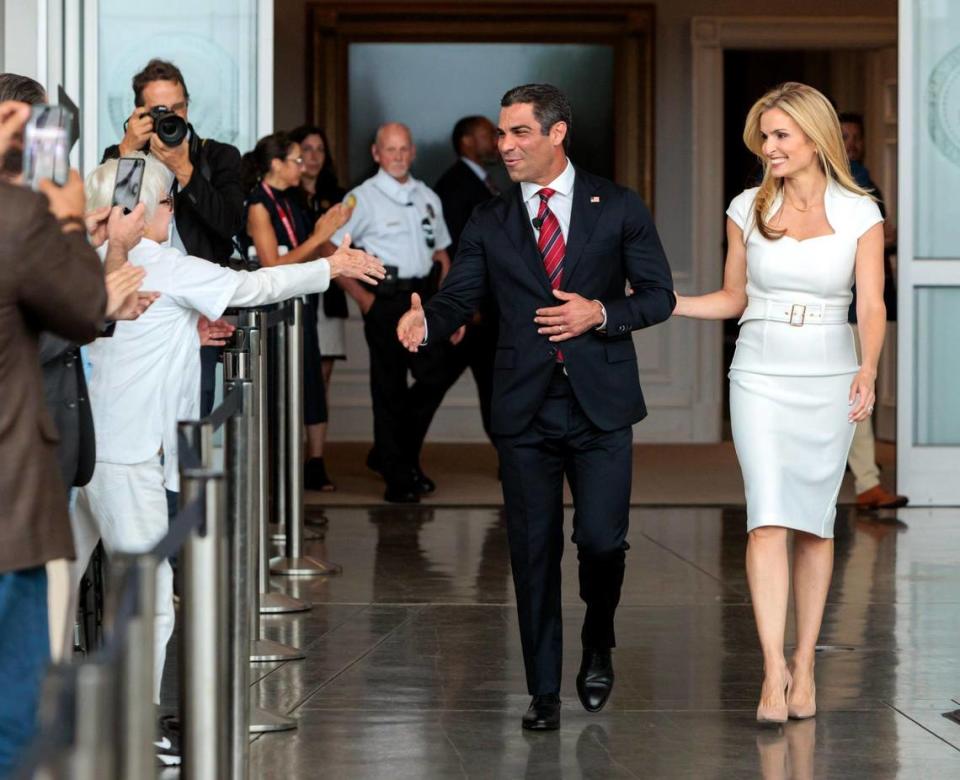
point(46, 145)
point(126, 187)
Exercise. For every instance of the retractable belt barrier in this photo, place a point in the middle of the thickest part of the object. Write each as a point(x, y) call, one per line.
point(97, 718)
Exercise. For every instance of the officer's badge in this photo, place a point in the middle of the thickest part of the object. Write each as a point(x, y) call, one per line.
point(432, 214)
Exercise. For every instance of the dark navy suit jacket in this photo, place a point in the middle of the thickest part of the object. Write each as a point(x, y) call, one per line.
point(612, 244)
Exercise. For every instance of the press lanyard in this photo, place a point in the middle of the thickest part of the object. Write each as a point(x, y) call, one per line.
point(285, 217)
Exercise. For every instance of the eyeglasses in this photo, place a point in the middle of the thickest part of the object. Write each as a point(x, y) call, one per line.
point(297, 160)
point(167, 201)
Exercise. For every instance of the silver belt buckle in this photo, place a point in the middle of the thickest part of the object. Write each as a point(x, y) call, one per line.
point(798, 313)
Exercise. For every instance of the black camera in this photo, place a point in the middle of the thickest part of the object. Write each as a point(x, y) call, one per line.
point(169, 127)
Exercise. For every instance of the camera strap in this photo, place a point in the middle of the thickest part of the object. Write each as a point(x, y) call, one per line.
point(286, 217)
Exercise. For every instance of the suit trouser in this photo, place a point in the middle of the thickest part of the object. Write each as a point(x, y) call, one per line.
point(126, 506)
point(862, 457)
point(476, 352)
point(400, 410)
point(561, 441)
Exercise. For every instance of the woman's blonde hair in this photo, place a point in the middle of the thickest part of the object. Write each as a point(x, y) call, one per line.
point(815, 115)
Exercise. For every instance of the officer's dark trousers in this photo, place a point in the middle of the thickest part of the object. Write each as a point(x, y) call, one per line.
point(400, 412)
point(476, 352)
point(560, 441)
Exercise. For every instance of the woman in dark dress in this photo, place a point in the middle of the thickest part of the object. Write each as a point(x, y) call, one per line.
point(281, 231)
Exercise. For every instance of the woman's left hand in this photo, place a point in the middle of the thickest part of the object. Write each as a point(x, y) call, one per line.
point(862, 396)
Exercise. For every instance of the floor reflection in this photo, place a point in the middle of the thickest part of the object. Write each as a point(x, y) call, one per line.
point(414, 667)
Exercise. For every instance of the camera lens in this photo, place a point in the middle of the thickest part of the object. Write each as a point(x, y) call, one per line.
point(169, 127)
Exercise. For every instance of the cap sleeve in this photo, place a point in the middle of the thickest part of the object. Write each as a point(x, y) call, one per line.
point(866, 214)
point(740, 206)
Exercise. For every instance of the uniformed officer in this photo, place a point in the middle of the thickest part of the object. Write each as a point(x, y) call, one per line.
point(400, 220)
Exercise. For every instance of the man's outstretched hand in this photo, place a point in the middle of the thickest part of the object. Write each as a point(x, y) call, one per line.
point(413, 325)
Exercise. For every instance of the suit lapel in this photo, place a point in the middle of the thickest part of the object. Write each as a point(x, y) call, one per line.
point(516, 224)
point(584, 214)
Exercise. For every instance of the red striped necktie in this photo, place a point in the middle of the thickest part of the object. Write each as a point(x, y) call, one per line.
point(551, 244)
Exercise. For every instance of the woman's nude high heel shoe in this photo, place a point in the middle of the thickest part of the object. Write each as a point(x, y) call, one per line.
point(778, 713)
point(807, 711)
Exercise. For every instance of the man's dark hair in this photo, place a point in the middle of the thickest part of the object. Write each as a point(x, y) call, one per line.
point(465, 127)
point(22, 88)
point(550, 106)
point(851, 118)
point(157, 70)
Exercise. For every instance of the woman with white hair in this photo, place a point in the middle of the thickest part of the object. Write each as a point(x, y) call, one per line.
point(147, 377)
point(797, 390)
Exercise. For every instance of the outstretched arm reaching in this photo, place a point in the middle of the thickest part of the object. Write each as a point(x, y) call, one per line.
point(730, 300)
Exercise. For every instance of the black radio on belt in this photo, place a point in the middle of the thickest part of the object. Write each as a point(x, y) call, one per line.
point(389, 285)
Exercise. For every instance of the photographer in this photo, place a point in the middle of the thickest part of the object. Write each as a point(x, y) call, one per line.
point(207, 193)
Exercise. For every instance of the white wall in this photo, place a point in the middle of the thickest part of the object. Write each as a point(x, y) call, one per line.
point(20, 36)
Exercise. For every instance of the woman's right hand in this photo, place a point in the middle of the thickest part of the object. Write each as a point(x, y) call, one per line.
point(355, 264)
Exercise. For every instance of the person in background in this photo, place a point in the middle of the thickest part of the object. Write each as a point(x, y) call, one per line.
point(464, 186)
point(207, 193)
point(283, 232)
point(319, 191)
point(862, 458)
point(400, 219)
point(50, 279)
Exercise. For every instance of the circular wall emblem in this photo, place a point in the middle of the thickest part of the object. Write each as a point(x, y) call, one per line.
point(943, 96)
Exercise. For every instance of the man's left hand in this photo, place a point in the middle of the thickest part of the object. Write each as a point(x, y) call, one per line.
point(576, 316)
point(176, 158)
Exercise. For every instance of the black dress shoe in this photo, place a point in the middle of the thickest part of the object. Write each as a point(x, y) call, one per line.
point(401, 494)
point(422, 483)
point(595, 680)
point(543, 713)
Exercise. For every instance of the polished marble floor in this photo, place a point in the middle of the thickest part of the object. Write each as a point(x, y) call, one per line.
point(413, 665)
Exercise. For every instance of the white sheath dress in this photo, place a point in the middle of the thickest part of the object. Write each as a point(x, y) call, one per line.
point(795, 358)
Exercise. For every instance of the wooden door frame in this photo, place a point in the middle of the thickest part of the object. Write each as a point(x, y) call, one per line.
point(710, 36)
point(333, 25)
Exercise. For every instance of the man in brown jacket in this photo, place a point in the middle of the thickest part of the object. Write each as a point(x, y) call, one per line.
point(50, 279)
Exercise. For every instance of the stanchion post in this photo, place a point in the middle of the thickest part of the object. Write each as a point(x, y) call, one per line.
point(267, 601)
point(137, 723)
point(203, 684)
point(295, 563)
point(243, 451)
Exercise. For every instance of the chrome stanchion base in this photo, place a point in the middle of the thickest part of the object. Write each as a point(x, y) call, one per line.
point(309, 535)
point(303, 567)
point(262, 721)
point(276, 602)
point(266, 650)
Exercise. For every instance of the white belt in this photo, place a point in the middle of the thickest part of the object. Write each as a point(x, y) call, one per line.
point(795, 314)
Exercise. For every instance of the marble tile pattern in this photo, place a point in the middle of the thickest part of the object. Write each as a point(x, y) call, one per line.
point(413, 666)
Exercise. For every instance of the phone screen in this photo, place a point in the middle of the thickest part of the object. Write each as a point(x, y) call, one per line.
point(126, 188)
point(46, 146)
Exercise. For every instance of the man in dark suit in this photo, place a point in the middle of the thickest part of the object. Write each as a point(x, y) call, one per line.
point(557, 253)
point(208, 194)
point(464, 186)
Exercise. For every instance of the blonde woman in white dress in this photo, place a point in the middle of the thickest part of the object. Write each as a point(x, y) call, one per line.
point(796, 243)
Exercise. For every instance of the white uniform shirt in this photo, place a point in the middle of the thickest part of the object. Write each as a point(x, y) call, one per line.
point(147, 376)
point(560, 203)
point(388, 221)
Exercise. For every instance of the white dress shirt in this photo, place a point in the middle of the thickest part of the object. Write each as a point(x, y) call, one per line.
point(478, 169)
point(387, 221)
point(560, 203)
point(147, 376)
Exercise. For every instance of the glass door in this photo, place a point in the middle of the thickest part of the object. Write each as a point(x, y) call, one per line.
point(928, 454)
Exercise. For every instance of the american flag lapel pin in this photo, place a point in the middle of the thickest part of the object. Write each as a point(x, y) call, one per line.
point(594, 198)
